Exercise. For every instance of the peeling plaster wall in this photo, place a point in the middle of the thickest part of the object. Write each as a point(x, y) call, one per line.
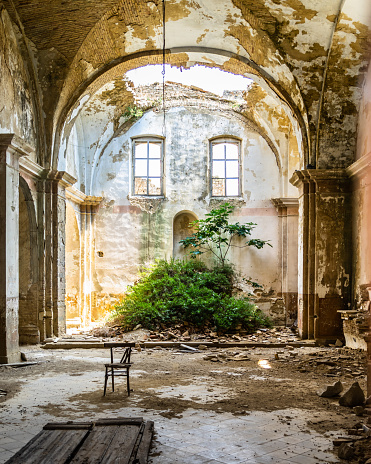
point(215, 24)
point(128, 236)
point(16, 110)
point(361, 177)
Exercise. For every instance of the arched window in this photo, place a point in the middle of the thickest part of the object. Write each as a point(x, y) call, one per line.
point(148, 166)
point(225, 167)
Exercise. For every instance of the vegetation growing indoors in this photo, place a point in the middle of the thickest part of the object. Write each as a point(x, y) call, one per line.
point(177, 292)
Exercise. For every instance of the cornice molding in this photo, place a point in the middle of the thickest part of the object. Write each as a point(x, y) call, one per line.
point(29, 167)
point(16, 144)
point(285, 202)
point(361, 167)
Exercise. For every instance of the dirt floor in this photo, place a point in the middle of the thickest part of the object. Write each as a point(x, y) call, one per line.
point(230, 380)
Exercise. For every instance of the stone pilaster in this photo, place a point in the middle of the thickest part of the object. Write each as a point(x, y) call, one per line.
point(54, 208)
point(360, 174)
point(88, 210)
point(11, 149)
point(61, 181)
point(324, 251)
point(287, 209)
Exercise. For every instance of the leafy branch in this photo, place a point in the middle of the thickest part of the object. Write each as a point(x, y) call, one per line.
point(216, 235)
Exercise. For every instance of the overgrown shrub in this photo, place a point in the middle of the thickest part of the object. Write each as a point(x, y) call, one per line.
point(187, 291)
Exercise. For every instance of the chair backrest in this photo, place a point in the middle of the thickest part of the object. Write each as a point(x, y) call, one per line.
point(125, 359)
point(126, 356)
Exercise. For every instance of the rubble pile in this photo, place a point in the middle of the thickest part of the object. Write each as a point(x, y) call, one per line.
point(341, 362)
point(356, 447)
point(186, 333)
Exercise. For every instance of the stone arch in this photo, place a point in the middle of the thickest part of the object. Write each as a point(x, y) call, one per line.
point(181, 56)
point(29, 330)
point(182, 230)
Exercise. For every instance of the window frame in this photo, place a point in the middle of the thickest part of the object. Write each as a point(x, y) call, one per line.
point(225, 139)
point(148, 138)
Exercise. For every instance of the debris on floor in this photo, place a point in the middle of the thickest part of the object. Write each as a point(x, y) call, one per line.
point(356, 448)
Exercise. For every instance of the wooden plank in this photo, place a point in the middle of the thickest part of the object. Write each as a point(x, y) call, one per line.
point(145, 443)
point(121, 448)
point(58, 443)
point(68, 426)
point(66, 447)
point(120, 421)
point(96, 445)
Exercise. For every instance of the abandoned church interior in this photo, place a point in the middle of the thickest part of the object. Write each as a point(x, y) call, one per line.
point(122, 124)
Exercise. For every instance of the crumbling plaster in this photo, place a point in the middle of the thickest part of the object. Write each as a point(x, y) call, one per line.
point(130, 231)
point(103, 113)
point(16, 107)
point(307, 46)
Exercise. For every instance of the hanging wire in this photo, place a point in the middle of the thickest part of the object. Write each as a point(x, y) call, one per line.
point(163, 67)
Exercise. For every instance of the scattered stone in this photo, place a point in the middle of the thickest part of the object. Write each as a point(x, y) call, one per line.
point(353, 397)
point(202, 347)
point(346, 451)
point(211, 358)
point(23, 356)
point(339, 343)
point(241, 357)
point(339, 441)
point(331, 390)
point(185, 334)
point(139, 326)
point(138, 347)
point(359, 410)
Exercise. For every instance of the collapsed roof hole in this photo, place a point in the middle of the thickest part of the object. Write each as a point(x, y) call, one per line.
point(210, 79)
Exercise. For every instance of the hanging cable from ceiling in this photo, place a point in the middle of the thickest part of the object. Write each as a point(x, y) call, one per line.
point(163, 66)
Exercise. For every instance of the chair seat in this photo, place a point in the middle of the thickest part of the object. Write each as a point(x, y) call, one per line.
point(118, 368)
point(119, 365)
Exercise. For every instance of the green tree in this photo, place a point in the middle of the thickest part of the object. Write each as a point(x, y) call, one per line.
point(216, 235)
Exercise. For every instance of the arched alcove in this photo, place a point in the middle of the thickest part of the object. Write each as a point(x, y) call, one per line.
point(28, 283)
point(181, 230)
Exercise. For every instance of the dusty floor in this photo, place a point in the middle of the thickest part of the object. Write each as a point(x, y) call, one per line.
point(241, 400)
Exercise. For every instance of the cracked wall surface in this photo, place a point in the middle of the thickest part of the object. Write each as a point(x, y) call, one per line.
point(16, 107)
point(131, 231)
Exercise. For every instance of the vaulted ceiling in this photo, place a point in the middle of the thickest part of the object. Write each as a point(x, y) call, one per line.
point(311, 52)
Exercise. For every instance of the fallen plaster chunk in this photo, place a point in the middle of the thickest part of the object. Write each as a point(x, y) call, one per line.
point(353, 397)
point(331, 390)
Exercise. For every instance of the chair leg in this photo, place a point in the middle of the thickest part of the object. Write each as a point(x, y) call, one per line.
point(128, 381)
point(105, 382)
point(113, 380)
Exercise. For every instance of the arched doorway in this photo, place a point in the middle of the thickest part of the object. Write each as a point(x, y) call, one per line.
point(181, 230)
point(28, 269)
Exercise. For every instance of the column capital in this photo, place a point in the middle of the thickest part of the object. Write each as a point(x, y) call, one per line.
point(286, 206)
point(285, 202)
point(92, 201)
point(15, 144)
point(62, 178)
point(360, 167)
point(332, 178)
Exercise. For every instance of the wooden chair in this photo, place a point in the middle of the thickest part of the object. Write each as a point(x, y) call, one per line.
point(121, 368)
